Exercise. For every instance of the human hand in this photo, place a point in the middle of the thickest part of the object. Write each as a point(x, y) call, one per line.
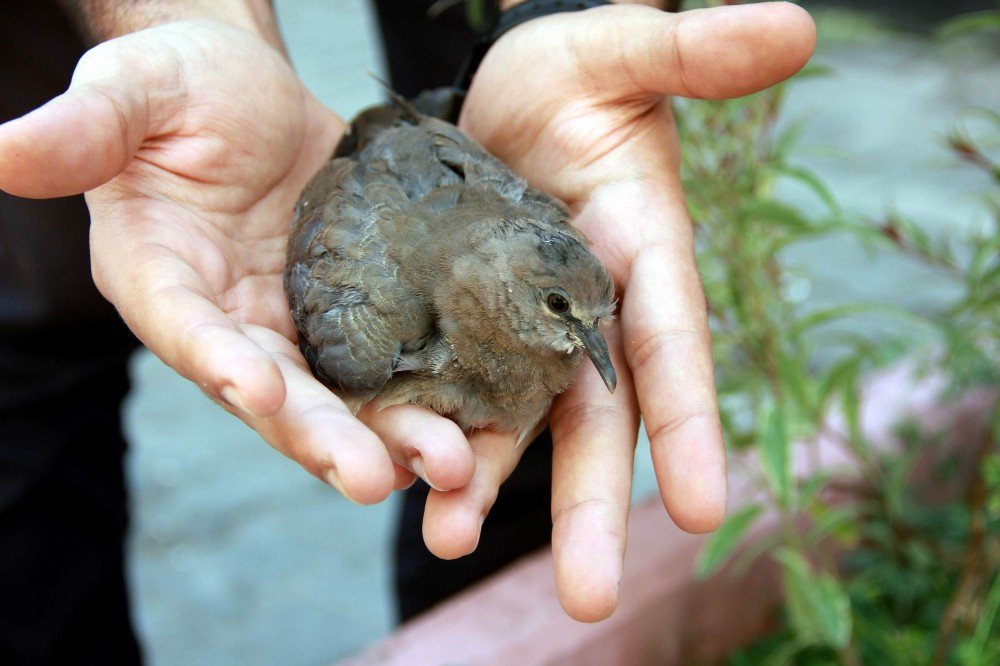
point(577, 104)
point(193, 141)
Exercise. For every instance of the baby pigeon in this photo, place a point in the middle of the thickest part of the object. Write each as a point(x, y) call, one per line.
point(422, 270)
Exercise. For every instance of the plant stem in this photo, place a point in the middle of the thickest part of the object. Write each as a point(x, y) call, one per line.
point(972, 567)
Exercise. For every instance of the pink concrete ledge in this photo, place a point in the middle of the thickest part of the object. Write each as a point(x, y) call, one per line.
point(665, 615)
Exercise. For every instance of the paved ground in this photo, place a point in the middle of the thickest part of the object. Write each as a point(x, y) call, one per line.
point(239, 557)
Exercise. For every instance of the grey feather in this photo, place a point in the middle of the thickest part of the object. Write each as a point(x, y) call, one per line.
point(418, 268)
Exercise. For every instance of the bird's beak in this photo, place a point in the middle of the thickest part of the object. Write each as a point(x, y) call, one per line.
point(597, 350)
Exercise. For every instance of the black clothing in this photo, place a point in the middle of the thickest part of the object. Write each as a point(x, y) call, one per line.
point(421, 52)
point(519, 523)
point(63, 348)
point(63, 516)
point(44, 264)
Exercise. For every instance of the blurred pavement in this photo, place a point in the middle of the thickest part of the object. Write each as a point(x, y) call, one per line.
point(240, 557)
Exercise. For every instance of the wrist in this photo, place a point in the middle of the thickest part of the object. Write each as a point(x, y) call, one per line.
point(101, 20)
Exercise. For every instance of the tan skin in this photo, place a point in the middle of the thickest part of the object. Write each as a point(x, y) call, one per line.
point(191, 169)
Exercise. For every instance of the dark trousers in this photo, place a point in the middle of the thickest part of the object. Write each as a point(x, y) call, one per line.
point(519, 523)
point(63, 518)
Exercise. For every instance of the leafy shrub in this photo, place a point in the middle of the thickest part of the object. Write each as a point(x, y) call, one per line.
point(919, 578)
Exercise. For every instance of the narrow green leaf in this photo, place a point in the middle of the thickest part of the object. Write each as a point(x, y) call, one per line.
point(987, 618)
point(747, 556)
point(989, 114)
point(819, 609)
point(783, 655)
point(851, 405)
point(810, 489)
point(972, 22)
point(475, 13)
point(915, 234)
point(840, 376)
point(897, 479)
point(774, 212)
point(792, 372)
point(822, 316)
point(789, 138)
point(814, 70)
point(832, 522)
point(721, 544)
point(775, 455)
point(985, 254)
point(810, 180)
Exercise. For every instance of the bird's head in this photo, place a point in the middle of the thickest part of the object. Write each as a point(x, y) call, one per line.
point(545, 283)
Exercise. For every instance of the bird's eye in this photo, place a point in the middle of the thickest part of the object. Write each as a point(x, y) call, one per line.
point(557, 303)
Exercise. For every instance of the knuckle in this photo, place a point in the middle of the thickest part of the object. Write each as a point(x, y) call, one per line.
point(678, 424)
point(200, 337)
point(642, 354)
point(599, 505)
point(582, 418)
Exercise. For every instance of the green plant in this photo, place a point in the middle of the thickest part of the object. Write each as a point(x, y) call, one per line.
point(918, 579)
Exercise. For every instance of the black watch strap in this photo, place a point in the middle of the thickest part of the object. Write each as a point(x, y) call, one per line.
point(510, 19)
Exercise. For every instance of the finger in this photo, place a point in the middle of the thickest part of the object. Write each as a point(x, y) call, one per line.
point(86, 136)
point(453, 520)
point(593, 437)
point(429, 445)
point(709, 53)
point(669, 351)
point(706, 53)
point(315, 429)
point(666, 342)
point(404, 478)
point(168, 305)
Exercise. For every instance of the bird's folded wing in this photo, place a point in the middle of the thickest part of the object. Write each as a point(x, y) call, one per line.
point(354, 315)
point(479, 168)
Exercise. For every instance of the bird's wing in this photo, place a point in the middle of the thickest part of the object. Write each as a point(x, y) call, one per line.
point(470, 162)
point(425, 153)
point(354, 315)
point(479, 169)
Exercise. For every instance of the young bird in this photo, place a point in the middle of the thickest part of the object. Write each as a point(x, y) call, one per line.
point(422, 270)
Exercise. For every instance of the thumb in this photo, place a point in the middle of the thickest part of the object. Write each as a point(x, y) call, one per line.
point(88, 135)
point(714, 53)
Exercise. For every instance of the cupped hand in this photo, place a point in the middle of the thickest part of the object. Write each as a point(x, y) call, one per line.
point(577, 103)
point(193, 141)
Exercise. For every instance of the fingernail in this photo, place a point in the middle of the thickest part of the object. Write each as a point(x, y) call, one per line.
point(233, 397)
point(331, 477)
point(417, 466)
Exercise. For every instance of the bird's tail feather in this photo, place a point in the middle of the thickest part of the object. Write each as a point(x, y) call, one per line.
point(408, 109)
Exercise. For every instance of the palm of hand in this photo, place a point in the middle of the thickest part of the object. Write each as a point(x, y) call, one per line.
point(598, 133)
point(197, 169)
point(212, 186)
